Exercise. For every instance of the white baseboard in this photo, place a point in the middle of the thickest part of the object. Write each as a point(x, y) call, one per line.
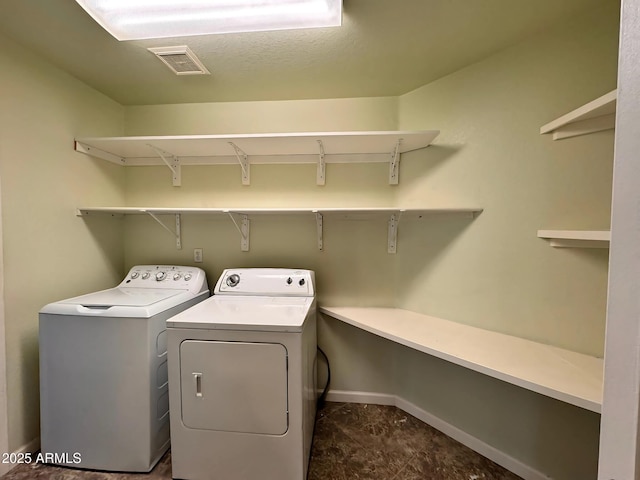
point(475, 444)
point(361, 397)
point(32, 447)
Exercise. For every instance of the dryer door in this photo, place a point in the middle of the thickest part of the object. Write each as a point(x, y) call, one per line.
point(234, 386)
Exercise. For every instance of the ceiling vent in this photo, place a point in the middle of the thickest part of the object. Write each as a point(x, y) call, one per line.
point(181, 60)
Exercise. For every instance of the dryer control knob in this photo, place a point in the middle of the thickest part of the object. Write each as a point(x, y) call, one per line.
point(187, 276)
point(145, 275)
point(176, 276)
point(161, 276)
point(301, 282)
point(134, 275)
point(289, 281)
point(233, 280)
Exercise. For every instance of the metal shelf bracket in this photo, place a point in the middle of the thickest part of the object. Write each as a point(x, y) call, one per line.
point(392, 240)
point(394, 164)
point(319, 229)
point(243, 229)
point(243, 160)
point(320, 177)
point(173, 164)
point(177, 234)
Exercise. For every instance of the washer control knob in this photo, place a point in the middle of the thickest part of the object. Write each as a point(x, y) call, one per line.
point(289, 281)
point(176, 276)
point(161, 276)
point(233, 280)
point(187, 276)
point(135, 275)
point(301, 282)
point(145, 275)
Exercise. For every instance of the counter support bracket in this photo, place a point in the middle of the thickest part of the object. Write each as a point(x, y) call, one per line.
point(243, 229)
point(321, 175)
point(392, 240)
point(173, 164)
point(394, 164)
point(243, 160)
point(177, 234)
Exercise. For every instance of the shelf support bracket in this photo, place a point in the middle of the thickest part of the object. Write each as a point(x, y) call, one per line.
point(243, 160)
point(174, 164)
point(394, 164)
point(243, 229)
point(392, 239)
point(177, 234)
point(96, 152)
point(319, 229)
point(320, 177)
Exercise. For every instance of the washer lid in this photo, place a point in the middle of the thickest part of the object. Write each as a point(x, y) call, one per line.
point(123, 297)
point(221, 312)
point(122, 302)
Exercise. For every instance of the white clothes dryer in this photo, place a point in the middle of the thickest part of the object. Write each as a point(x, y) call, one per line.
point(104, 400)
point(242, 380)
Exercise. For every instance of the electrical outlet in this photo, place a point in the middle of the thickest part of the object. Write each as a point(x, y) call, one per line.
point(197, 255)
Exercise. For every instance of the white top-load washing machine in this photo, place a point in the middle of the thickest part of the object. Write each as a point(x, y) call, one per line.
point(103, 370)
point(242, 380)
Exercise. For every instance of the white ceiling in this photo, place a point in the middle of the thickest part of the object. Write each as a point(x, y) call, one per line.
point(385, 47)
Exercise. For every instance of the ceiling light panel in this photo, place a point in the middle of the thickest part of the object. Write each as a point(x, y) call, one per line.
point(143, 19)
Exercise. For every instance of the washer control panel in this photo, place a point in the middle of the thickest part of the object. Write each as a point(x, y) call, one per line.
point(165, 276)
point(266, 282)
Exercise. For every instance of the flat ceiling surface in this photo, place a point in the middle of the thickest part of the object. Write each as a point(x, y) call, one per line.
point(385, 47)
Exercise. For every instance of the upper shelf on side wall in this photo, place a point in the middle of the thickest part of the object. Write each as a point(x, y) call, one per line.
point(595, 116)
point(244, 149)
point(577, 238)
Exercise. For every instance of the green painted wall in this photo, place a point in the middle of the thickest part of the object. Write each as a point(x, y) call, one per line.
point(495, 272)
point(49, 253)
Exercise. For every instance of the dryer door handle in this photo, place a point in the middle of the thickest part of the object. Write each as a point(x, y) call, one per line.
point(198, 381)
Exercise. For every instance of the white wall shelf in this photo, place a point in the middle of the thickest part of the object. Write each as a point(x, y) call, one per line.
point(577, 238)
point(595, 116)
point(394, 216)
point(243, 150)
point(567, 376)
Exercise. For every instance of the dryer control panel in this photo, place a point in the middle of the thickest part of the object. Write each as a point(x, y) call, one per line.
point(276, 282)
point(166, 276)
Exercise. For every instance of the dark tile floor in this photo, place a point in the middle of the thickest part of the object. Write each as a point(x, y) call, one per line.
point(357, 441)
point(351, 442)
